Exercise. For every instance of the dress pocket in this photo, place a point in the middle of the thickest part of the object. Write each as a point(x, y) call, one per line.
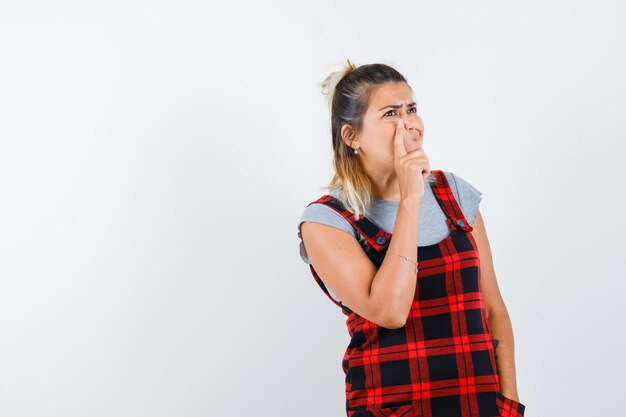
point(508, 407)
point(398, 411)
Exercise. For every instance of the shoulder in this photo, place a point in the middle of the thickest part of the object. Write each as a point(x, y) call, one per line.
point(462, 186)
point(321, 213)
point(466, 193)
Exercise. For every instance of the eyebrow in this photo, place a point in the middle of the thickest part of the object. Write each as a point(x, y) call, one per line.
point(397, 106)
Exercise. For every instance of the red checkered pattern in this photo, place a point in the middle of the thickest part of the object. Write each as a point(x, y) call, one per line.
point(441, 363)
point(509, 407)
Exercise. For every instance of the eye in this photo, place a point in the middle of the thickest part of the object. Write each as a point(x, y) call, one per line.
point(393, 111)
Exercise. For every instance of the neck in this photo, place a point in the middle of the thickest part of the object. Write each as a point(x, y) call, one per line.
point(384, 184)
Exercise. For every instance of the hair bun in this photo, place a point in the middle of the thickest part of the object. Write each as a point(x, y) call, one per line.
point(330, 82)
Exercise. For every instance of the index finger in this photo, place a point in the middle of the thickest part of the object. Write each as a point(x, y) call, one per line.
point(398, 142)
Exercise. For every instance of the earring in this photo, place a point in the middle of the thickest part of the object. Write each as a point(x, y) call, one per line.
point(356, 150)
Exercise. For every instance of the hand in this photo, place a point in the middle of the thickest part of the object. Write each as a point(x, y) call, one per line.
point(412, 168)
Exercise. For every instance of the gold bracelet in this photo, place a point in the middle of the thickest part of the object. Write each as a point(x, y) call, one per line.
point(404, 257)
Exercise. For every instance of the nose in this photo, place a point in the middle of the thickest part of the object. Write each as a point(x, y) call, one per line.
point(410, 126)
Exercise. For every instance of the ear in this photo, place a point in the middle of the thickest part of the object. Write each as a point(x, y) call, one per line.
point(347, 134)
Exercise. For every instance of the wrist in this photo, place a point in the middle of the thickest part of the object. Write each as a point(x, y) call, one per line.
point(410, 201)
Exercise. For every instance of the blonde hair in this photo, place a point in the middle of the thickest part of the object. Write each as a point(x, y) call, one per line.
point(348, 93)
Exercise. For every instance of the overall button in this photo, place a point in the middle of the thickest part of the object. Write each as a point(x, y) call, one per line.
point(460, 222)
point(380, 240)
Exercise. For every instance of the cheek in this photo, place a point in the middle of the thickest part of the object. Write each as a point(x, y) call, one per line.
point(383, 126)
point(387, 131)
point(378, 137)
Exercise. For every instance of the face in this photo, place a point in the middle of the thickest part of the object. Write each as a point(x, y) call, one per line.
point(388, 103)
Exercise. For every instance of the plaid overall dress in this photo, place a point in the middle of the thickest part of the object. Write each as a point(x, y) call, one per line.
point(441, 363)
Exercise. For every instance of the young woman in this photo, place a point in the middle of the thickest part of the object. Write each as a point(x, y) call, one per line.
point(424, 312)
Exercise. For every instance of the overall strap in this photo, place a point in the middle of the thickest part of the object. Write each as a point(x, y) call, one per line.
point(347, 311)
point(445, 197)
point(376, 238)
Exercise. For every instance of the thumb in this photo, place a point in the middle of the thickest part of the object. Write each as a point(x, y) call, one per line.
point(398, 142)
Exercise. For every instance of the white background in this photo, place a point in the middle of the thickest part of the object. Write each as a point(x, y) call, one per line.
point(155, 158)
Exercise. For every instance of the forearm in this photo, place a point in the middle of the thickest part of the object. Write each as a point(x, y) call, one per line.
point(502, 334)
point(393, 287)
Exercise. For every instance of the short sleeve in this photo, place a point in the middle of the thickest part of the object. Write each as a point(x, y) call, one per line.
point(469, 197)
point(321, 213)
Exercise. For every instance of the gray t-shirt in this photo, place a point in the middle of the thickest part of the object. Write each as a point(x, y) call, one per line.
point(432, 226)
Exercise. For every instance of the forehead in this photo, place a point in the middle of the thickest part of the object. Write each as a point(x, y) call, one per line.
point(390, 93)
